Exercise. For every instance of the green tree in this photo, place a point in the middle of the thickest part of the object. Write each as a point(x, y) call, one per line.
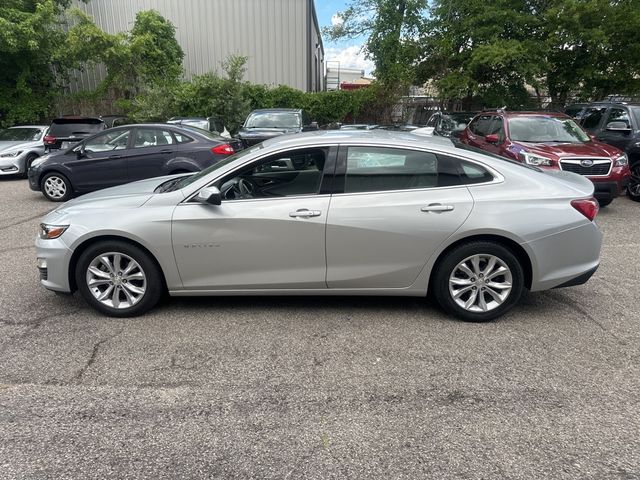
point(392, 29)
point(31, 58)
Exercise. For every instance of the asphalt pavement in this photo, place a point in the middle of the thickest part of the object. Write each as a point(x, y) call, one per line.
point(290, 388)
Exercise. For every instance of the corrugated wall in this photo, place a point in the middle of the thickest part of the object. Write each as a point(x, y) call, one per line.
point(272, 33)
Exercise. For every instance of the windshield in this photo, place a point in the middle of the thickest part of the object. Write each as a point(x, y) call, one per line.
point(185, 181)
point(273, 120)
point(20, 135)
point(536, 129)
point(67, 128)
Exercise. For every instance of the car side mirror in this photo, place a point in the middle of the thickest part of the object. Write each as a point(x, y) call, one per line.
point(493, 138)
point(618, 127)
point(209, 195)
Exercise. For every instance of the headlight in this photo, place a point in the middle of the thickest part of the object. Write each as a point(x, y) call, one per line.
point(39, 161)
point(49, 232)
point(533, 159)
point(622, 160)
point(15, 153)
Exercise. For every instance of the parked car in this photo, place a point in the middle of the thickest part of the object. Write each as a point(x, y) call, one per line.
point(65, 132)
point(210, 124)
point(551, 141)
point(344, 213)
point(617, 124)
point(445, 124)
point(263, 124)
point(126, 154)
point(19, 146)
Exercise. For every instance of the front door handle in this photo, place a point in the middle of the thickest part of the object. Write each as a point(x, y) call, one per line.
point(437, 208)
point(305, 213)
point(115, 156)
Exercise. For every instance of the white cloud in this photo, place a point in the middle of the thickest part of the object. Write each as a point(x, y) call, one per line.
point(349, 57)
point(336, 20)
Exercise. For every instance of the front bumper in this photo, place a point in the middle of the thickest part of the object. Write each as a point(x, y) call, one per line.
point(57, 256)
point(34, 178)
point(12, 165)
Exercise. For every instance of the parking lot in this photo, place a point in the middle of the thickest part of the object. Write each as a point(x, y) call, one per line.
point(318, 387)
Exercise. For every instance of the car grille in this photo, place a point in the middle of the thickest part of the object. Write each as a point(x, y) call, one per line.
point(600, 167)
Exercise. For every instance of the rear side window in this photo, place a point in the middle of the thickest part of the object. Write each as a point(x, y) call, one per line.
point(151, 137)
point(619, 115)
point(182, 138)
point(68, 128)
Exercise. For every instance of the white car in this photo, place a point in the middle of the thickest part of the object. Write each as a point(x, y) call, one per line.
point(19, 146)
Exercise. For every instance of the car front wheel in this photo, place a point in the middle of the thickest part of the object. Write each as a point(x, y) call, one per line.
point(118, 279)
point(633, 189)
point(56, 187)
point(478, 281)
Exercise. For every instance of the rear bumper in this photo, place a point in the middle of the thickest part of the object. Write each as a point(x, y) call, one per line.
point(580, 279)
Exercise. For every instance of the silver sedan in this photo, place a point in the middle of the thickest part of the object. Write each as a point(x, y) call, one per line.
point(19, 146)
point(330, 213)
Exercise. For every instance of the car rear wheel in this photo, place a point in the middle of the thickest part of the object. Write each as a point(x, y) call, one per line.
point(119, 279)
point(56, 187)
point(633, 189)
point(478, 281)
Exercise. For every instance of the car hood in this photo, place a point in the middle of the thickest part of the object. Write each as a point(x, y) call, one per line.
point(562, 150)
point(129, 195)
point(15, 145)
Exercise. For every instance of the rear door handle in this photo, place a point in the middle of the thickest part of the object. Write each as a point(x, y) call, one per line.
point(437, 208)
point(166, 151)
point(305, 213)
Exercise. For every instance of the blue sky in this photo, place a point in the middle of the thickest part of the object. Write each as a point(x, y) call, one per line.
point(345, 51)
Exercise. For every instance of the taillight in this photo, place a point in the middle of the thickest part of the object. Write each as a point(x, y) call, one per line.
point(589, 207)
point(224, 149)
point(49, 140)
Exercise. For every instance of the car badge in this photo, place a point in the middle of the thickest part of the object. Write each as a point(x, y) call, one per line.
point(586, 163)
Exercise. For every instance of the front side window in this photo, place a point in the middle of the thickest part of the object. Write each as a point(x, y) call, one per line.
point(496, 127)
point(151, 137)
point(619, 115)
point(481, 125)
point(293, 173)
point(107, 142)
point(535, 129)
point(592, 117)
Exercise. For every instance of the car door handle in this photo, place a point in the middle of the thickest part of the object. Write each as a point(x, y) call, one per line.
point(166, 150)
point(437, 208)
point(305, 213)
point(115, 156)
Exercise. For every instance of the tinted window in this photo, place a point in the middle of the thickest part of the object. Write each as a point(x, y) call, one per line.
point(592, 118)
point(619, 115)
point(20, 135)
point(573, 111)
point(480, 126)
point(67, 127)
point(371, 169)
point(182, 138)
point(297, 172)
point(112, 140)
point(454, 171)
point(151, 137)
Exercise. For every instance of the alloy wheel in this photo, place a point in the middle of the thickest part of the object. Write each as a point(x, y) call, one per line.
point(480, 283)
point(634, 183)
point(116, 280)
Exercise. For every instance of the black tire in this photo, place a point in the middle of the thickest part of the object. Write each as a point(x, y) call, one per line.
point(448, 264)
point(154, 288)
point(633, 189)
point(27, 163)
point(604, 203)
point(59, 179)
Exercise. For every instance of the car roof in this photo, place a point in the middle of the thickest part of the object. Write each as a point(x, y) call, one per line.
point(30, 126)
point(525, 113)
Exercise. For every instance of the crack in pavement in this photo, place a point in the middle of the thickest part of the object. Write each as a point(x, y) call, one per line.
point(94, 354)
point(25, 220)
point(13, 249)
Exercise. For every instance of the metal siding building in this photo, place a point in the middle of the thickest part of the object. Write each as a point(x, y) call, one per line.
point(281, 38)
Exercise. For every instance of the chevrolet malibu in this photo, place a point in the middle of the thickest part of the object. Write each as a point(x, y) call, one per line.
point(330, 213)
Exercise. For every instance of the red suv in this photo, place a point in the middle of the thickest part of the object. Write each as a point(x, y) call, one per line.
point(554, 141)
